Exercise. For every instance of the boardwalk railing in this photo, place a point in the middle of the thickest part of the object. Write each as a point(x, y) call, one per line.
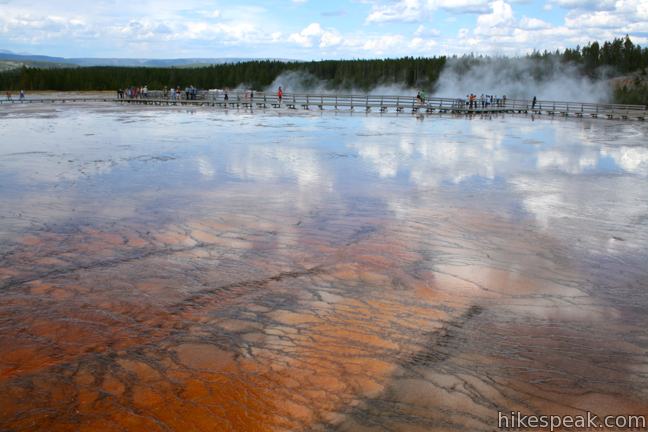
point(379, 103)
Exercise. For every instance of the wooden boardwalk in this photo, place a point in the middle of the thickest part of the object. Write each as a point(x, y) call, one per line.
point(369, 103)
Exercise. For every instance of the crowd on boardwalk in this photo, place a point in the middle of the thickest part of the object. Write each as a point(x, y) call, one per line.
point(189, 93)
point(471, 102)
point(484, 101)
point(133, 92)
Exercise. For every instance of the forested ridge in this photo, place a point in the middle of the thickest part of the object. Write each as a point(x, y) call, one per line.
point(363, 74)
point(615, 58)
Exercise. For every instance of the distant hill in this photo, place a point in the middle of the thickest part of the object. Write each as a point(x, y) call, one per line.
point(125, 62)
point(6, 65)
point(42, 61)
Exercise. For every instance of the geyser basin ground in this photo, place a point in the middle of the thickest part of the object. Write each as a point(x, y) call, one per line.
point(171, 270)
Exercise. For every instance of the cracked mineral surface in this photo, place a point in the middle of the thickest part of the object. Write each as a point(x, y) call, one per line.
point(174, 270)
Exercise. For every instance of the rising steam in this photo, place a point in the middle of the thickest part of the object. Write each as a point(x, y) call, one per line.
point(517, 78)
point(520, 78)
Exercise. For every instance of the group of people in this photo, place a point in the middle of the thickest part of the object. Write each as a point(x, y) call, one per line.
point(190, 93)
point(172, 93)
point(133, 92)
point(21, 95)
point(484, 101)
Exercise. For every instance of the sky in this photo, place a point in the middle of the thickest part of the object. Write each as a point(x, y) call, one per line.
point(312, 30)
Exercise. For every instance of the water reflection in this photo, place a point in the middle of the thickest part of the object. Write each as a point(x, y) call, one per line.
point(166, 270)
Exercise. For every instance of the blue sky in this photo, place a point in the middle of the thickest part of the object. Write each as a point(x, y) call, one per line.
point(309, 29)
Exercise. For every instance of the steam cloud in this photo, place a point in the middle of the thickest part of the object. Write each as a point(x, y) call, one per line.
point(304, 82)
point(520, 78)
point(517, 78)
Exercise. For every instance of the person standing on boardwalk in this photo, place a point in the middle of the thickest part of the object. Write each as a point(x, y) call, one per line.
point(22, 95)
point(533, 104)
point(279, 94)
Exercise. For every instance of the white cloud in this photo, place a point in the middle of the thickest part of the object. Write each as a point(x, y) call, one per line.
point(422, 31)
point(422, 45)
point(498, 21)
point(33, 28)
point(585, 4)
point(420, 10)
point(461, 6)
point(380, 45)
point(599, 19)
point(405, 10)
point(533, 23)
point(315, 35)
point(199, 28)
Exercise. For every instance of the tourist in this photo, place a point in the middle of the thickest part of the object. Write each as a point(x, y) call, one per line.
point(280, 94)
point(8, 95)
point(533, 104)
point(420, 97)
point(22, 95)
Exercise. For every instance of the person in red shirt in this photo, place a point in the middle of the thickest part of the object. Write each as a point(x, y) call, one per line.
point(279, 94)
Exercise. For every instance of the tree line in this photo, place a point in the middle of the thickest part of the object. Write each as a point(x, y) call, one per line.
point(618, 57)
point(363, 74)
point(621, 54)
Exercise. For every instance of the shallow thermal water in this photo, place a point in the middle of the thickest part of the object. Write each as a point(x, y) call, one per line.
point(200, 271)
